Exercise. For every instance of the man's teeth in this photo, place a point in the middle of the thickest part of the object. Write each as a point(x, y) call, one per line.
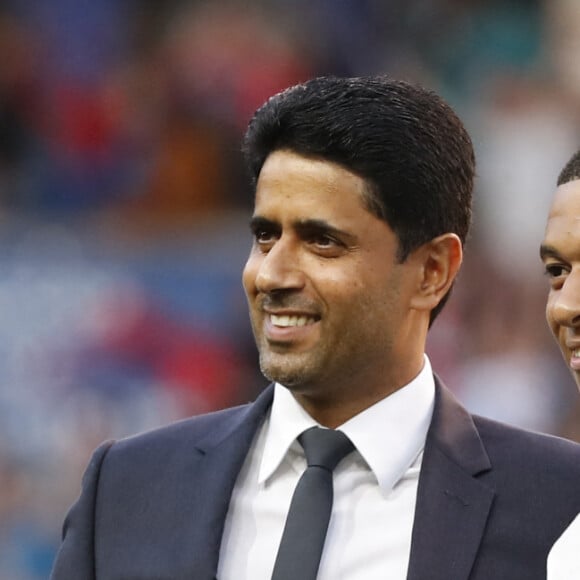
point(291, 320)
point(576, 352)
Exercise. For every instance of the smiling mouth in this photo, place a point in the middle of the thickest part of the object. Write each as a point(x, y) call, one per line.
point(575, 359)
point(285, 320)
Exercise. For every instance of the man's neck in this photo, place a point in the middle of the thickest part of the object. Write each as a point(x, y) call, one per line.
point(333, 407)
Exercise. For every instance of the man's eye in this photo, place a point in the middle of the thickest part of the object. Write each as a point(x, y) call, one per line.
point(326, 246)
point(555, 270)
point(263, 236)
point(323, 241)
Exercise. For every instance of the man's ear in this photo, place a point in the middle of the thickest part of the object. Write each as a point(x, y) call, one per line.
point(439, 261)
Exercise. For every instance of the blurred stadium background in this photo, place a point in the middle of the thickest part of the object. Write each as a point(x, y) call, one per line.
point(124, 210)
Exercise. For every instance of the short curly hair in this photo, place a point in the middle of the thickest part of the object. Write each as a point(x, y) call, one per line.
point(571, 170)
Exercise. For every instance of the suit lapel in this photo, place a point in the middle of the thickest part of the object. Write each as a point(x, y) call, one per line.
point(221, 455)
point(452, 504)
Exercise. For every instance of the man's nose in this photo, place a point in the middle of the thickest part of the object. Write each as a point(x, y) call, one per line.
point(566, 306)
point(280, 268)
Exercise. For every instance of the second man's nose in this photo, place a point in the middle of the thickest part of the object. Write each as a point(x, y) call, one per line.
point(566, 305)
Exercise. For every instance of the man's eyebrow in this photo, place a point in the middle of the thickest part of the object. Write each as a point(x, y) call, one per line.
point(547, 251)
point(303, 226)
point(259, 222)
point(309, 226)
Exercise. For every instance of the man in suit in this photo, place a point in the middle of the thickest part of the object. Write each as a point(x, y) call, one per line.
point(560, 253)
point(362, 206)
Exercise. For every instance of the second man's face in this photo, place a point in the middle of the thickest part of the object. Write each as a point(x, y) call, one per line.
point(560, 252)
point(328, 301)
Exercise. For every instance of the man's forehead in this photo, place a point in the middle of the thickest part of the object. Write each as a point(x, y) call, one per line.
point(566, 202)
point(320, 189)
point(562, 234)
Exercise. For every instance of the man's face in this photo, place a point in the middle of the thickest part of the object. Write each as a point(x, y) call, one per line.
point(329, 304)
point(560, 253)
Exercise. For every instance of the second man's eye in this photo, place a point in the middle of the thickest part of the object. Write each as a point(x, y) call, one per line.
point(556, 274)
point(555, 270)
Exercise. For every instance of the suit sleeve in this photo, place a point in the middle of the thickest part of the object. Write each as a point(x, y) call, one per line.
point(75, 559)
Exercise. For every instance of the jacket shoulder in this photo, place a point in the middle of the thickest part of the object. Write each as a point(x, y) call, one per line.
point(524, 449)
point(191, 429)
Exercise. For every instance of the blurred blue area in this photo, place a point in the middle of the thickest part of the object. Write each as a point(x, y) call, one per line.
point(124, 209)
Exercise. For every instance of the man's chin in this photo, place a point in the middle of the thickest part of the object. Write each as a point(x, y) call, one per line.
point(291, 375)
point(288, 379)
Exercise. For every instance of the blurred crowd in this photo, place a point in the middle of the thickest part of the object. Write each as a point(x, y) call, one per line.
point(124, 208)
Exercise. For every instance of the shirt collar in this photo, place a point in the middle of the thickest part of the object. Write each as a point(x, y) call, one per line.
point(286, 422)
point(389, 436)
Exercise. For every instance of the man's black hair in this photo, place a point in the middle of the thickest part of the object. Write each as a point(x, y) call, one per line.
point(571, 170)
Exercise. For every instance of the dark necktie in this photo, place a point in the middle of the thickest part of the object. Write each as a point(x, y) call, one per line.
point(307, 521)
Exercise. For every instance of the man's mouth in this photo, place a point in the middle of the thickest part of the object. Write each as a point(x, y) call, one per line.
point(286, 320)
point(575, 359)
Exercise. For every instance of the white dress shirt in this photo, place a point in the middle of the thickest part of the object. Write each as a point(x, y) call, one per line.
point(375, 489)
point(564, 557)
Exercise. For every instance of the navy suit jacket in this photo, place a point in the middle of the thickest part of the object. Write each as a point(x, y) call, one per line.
point(491, 499)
